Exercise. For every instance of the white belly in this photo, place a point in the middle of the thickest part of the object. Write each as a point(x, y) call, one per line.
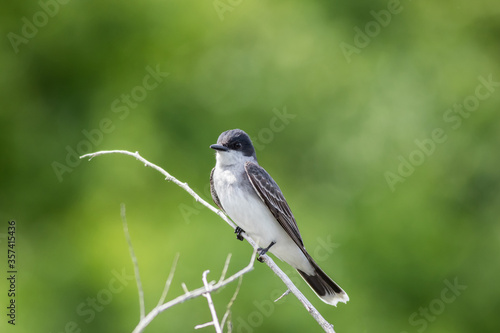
point(252, 215)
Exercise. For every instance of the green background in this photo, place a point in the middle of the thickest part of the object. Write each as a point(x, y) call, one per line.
point(352, 118)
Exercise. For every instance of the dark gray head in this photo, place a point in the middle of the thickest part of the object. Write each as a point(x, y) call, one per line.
point(235, 140)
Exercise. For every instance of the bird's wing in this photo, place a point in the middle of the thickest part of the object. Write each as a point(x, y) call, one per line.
point(273, 198)
point(215, 197)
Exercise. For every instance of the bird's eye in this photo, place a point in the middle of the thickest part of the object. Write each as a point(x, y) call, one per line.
point(237, 145)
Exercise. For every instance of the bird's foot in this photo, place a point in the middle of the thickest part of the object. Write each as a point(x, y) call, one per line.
point(238, 232)
point(263, 251)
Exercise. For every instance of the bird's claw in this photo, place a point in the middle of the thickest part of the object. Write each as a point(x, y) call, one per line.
point(263, 251)
point(238, 232)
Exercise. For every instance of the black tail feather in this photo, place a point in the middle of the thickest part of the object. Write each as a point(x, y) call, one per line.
point(326, 289)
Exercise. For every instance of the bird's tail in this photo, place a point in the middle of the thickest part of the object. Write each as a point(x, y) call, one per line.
point(323, 286)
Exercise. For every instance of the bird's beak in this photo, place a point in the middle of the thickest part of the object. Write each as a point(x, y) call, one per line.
point(219, 147)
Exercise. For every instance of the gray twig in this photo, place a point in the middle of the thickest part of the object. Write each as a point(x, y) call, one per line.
point(208, 296)
point(134, 261)
point(169, 280)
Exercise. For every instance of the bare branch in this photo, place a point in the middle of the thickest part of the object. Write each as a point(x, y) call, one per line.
point(134, 261)
point(170, 178)
point(192, 294)
point(210, 323)
point(208, 296)
point(284, 294)
point(230, 304)
point(226, 266)
point(265, 258)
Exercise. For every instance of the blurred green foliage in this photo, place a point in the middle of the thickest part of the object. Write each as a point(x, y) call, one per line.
point(68, 67)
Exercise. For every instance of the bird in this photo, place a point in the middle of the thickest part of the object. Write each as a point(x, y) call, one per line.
point(246, 192)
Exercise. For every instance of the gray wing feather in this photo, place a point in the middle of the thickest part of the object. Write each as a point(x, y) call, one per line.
point(215, 197)
point(273, 198)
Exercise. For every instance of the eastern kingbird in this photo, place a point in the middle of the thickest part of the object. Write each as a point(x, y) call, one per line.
point(253, 200)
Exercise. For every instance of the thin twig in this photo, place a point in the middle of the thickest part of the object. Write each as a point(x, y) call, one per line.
point(134, 261)
point(284, 294)
point(230, 304)
point(169, 280)
point(208, 296)
point(210, 323)
point(265, 258)
point(226, 266)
